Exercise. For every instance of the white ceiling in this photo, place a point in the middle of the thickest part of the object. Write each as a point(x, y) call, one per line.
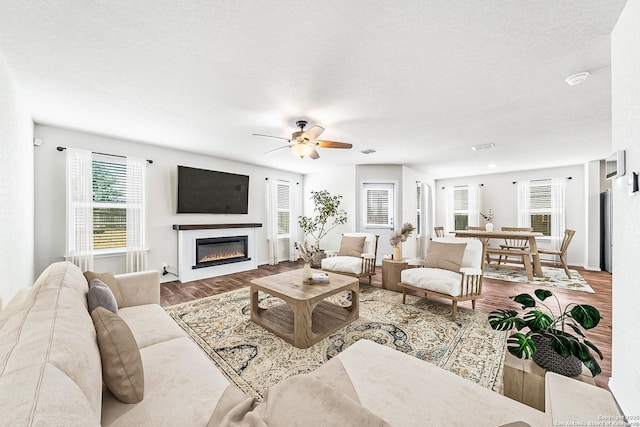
point(419, 81)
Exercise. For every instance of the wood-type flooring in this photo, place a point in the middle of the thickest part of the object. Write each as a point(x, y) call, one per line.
point(496, 294)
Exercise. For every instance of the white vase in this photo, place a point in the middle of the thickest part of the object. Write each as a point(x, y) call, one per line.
point(488, 226)
point(306, 272)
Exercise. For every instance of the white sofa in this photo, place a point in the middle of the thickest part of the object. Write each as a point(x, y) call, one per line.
point(50, 375)
point(50, 369)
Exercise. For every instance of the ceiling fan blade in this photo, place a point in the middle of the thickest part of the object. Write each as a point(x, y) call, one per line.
point(333, 144)
point(314, 154)
point(276, 149)
point(312, 133)
point(271, 136)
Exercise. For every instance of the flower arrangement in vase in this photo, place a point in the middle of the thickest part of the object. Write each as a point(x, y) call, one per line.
point(398, 237)
point(488, 216)
point(307, 251)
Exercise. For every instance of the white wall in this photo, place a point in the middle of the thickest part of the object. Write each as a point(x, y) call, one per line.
point(625, 380)
point(337, 181)
point(16, 189)
point(162, 240)
point(499, 194)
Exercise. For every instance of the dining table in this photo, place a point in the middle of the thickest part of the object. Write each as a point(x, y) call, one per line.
point(530, 236)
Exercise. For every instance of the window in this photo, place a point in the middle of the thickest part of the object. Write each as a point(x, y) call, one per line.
point(541, 205)
point(109, 204)
point(284, 209)
point(460, 207)
point(378, 201)
point(540, 208)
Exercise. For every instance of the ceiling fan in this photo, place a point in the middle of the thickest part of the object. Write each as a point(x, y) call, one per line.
point(304, 142)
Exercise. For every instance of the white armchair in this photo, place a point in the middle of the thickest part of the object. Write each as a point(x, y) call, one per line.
point(356, 256)
point(451, 271)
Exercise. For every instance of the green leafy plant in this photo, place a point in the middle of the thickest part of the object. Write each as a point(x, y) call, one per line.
point(328, 215)
point(564, 331)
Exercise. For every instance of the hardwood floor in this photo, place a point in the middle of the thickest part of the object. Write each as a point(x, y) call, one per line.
point(495, 295)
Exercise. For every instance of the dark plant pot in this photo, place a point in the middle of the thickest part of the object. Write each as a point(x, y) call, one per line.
point(547, 358)
point(316, 259)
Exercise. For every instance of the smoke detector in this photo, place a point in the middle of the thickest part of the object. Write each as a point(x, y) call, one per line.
point(577, 78)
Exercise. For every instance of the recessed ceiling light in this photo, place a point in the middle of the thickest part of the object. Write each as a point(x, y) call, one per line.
point(577, 78)
point(488, 146)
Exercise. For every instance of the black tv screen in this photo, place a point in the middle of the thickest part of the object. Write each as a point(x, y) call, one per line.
point(206, 191)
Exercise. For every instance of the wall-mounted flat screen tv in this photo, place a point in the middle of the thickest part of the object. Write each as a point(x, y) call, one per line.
point(206, 191)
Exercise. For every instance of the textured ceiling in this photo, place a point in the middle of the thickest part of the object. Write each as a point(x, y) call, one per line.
point(419, 81)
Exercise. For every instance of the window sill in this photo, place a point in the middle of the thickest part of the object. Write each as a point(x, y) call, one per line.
point(106, 253)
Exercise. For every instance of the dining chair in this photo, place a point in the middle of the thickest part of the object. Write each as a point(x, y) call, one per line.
point(562, 253)
point(439, 231)
point(514, 243)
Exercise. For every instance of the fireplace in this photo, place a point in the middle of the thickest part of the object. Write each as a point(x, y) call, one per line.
point(221, 250)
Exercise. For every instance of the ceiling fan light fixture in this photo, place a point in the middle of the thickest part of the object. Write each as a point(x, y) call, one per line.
point(302, 150)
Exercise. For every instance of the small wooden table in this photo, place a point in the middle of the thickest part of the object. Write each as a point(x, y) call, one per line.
point(391, 270)
point(306, 318)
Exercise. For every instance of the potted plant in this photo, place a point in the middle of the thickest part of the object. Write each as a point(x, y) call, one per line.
point(397, 237)
point(552, 340)
point(488, 216)
point(328, 215)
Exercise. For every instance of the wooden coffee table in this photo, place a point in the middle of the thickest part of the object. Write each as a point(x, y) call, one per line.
point(306, 318)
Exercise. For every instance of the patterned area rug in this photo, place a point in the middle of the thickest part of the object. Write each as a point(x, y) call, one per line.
point(554, 277)
point(255, 359)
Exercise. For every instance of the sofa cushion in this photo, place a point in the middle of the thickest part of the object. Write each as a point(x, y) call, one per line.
point(343, 264)
point(433, 279)
point(472, 257)
point(182, 388)
point(351, 246)
point(445, 255)
point(150, 324)
point(122, 370)
point(109, 280)
point(100, 295)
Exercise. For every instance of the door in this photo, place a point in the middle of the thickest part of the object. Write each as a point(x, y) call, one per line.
point(378, 213)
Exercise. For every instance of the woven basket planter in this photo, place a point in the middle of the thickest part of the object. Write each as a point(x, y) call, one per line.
point(548, 359)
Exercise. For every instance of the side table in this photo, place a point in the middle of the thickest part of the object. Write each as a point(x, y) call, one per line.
point(391, 273)
point(524, 381)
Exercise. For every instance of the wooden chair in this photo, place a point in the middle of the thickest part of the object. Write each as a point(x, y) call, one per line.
point(514, 244)
point(465, 285)
point(514, 248)
point(355, 266)
point(439, 231)
point(562, 253)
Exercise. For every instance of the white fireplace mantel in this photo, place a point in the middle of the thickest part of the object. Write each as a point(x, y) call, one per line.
point(187, 235)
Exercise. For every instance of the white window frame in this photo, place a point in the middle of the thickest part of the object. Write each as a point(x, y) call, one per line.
point(289, 210)
point(390, 204)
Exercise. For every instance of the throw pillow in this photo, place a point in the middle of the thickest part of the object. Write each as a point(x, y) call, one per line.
point(351, 246)
point(447, 256)
point(100, 295)
point(121, 362)
point(110, 281)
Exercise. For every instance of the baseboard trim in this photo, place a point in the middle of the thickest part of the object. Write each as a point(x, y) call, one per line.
point(590, 268)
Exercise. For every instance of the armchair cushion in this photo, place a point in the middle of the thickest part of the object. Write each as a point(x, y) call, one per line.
point(351, 246)
point(446, 256)
point(433, 279)
point(343, 264)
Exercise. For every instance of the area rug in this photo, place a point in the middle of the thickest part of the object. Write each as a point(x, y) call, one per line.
point(554, 277)
point(255, 359)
